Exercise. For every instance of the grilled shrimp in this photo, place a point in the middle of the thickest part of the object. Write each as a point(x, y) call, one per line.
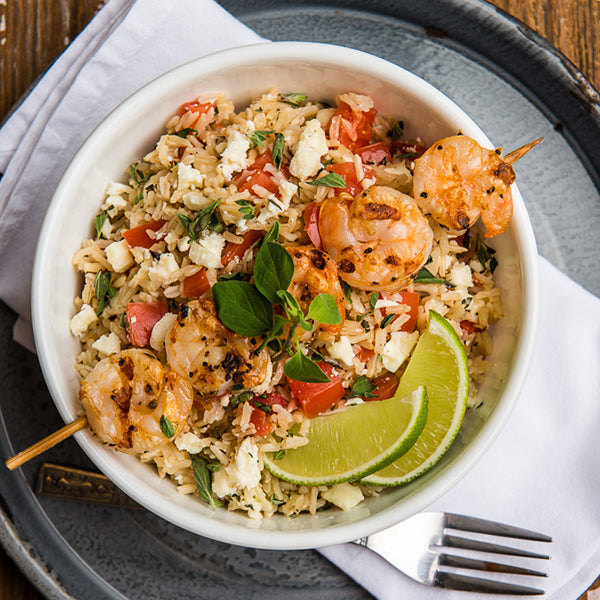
point(201, 349)
point(457, 181)
point(315, 273)
point(379, 242)
point(127, 393)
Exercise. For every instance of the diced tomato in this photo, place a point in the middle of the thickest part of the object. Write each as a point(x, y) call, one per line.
point(196, 285)
point(385, 387)
point(354, 128)
point(364, 354)
point(311, 224)
point(141, 318)
point(237, 251)
point(316, 398)
point(470, 327)
point(259, 419)
point(411, 299)
point(195, 107)
point(272, 399)
point(347, 171)
point(261, 178)
point(138, 236)
point(399, 148)
point(375, 154)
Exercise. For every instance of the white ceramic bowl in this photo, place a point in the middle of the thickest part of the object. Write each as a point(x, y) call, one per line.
point(320, 71)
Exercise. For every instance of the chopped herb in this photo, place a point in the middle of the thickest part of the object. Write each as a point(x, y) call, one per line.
point(203, 481)
point(213, 466)
point(207, 218)
point(137, 175)
point(347, 290)
point(425, 276)
point(373, 300)
point(364, 387)
point(485, 255)
point(278, 455)
point(294, 99)
point(103, 289)
point(408, 155)
point(466, 302)
point(324, 310)
point(257, 137)
point(166, 426)
point(365, 325)
point(276, 501)
point(330, 180)
point(247, 209)
point(236, 387)
point(397, 131)
point(278, 146)
point(99, 223)
point(183, 133)
point(243, 397)
point(238, 276)
point(262, 406)
point(387, 320)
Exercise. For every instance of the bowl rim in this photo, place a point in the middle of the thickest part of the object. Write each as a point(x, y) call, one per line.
point(340, 57)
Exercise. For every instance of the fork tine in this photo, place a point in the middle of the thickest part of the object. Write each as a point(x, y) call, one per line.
point(453, 581)
point(461, 562)
point(463, 523)
point(453, 541)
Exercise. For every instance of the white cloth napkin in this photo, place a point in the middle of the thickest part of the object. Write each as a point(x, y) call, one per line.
point(541, 473)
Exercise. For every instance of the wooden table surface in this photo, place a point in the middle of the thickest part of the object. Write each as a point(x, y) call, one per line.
point(33, 33)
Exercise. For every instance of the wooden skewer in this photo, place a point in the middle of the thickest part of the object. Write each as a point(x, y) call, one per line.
point(48, 442)
point(515, 155)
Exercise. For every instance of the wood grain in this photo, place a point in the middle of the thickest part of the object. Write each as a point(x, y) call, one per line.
point(33, 33)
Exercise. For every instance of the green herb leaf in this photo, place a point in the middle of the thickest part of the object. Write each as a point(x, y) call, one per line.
point(99, 222)
point(373, 300)
point(278, 455)
point(247, 209)
point(347, 290)
point(397, 131)
point(274, 500)
point(364, 387)
point(425, 276)
point(273, 270)
point(330, 180)
point(278, 146)
point(166, 426)
point(258, 136)
point(203, 481)
point(276, 331)
point(207, 218)
point(302, 368)
point(408, 155)
point(294, 99)
point(324, 309)
point(103, 289)
point(240, 398)
point(261, 406)
point(235, 276)
point(272, 234)
point(137, 175)
point(293, 310)
point(485, 255)
point(242, 308)
point(183, 133)
point(387, 320)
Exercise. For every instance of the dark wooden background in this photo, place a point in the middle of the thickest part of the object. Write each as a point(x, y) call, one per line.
point(33, 33)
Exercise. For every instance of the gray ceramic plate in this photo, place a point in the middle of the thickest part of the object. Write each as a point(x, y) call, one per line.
point(517, 88)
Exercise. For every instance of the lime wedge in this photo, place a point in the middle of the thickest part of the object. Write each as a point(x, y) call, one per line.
point(354, 442)
point(439, 362)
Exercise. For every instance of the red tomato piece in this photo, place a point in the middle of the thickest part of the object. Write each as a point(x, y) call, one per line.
point(272, 399)
point(138, 236)
point(364, 354)
point(237, 251)
point(399, 148)
point(354, 128)
point(470, 327)
point(259, 419)
point(195, 107)
point(311, 224)
point(141, 318)
point(411, 299)
point(375, 154)
point(385, 387)
point(347, 171)
point(261, 178)
point(196, 285)
point(316, 398)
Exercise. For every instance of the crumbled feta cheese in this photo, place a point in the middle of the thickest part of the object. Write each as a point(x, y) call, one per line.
point(343, 495)
point(188, 177)
point(272, 208)
point(119, 256)
point(461, 276)
point(108, 344)
point(287, 189)
point(234, 156)
point(342, 351)
point(113, 204)
point(183, 243)
point(195, 200)
point(312, 144)
point(241, 473)
point(114, 188)
point(82, 320)
point(207, 251)
point(106, 229)
point(160, 330)
point(189, 442)
point(164, 270)
point(397, 349)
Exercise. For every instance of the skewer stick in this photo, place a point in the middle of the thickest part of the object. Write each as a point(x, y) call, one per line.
point(48, 442)
point(515, 155)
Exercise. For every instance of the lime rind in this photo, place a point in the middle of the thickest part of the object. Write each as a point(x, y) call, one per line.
point(335, 453)
point(421, 458)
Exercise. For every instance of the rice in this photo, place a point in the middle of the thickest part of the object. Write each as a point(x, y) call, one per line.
point(216, 164)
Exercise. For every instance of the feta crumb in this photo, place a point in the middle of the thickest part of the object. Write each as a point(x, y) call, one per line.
point(82, 320)
point(119, 256)
point(183, 243)
point(113, 204)
point(189, 442)
point(196, 200)
point(242, 473)
point(397, 349)
point(234, 156)
point(114, 188)
point(312, 144)
point(188, 177)
point(272, 208)
point(164, 270)
point(207, 251)
point(343, 495)
point(342, 351)
point(287, 189)
point(108, 344)
point(160, 330)
point(461, 276)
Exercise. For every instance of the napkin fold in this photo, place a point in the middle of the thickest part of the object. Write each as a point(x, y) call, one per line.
point(541, 472)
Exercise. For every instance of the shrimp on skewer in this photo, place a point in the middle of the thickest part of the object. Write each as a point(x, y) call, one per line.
point(379, 241)
point(457, 181)
point(315, 273)
point(126, 395)
point(211, 356)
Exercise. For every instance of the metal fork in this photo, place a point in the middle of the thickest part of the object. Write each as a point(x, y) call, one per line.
point(419, 548)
